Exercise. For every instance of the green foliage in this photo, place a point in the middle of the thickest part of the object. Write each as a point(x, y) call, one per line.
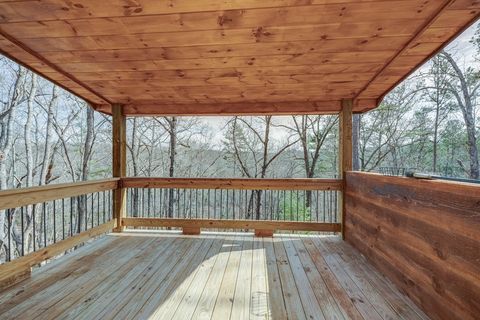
point(293, 207)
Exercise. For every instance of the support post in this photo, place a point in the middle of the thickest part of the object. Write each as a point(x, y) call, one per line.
point(345, 151)
point(119, 163)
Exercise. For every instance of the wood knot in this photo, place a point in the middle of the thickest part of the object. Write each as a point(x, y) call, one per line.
point(260, 32)
point(221, 20)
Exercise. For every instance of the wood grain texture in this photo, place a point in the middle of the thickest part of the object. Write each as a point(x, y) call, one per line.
point(230, 224)
point(165, 275)
point(86, 47)
point(19, 269)
point(119, 161)
point(424, 235)
point(345, 158)
point(234, 183)
point(15, 198)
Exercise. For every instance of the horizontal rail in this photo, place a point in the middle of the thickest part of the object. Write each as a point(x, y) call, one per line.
point(19, 269)
point(15, 198)
point(239, 184)
point(231, 224)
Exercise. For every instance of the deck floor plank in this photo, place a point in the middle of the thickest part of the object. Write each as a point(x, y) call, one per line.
point(156, 293)
point(258, 295)
point(291, 294)
point(165, 275)
point(209, 294)
point(313, 310)
point(49, 275)
point(226, 293)
point(78, 281)
point(185, 296)
point(344, 302)
point(323, 295)
point(276, 300)
point(87, 290)
point(361, 301)
point(402, 306)
point(241, 298)
point(112, 293)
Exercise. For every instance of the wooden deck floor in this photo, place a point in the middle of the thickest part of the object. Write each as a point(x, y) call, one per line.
point(145, 275)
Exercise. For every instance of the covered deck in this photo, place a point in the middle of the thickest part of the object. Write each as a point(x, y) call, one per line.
point(388, 237)
point(165, 275)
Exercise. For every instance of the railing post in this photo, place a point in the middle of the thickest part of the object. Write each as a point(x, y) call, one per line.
point(119, 163)
point(345, 151)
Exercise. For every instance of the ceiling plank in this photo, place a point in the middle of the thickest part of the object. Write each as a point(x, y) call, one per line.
point(224, 52)
point(224, 19)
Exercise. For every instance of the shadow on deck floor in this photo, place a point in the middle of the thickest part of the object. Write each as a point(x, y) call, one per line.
point(164, 275)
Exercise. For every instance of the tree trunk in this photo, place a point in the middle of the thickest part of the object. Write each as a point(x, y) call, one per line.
point(30, 210)
point(435, 135)
point(171, 170)
point(355, 141)
point(47, 152)
point(6, 145)
point(464, 99)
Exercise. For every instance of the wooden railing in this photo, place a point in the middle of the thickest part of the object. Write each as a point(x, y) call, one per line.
point(46, 221)
point(261, 204)
point(43, 222)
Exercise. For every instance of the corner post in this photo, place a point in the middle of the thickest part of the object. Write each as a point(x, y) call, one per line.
point(119, 163)
point(345, 151)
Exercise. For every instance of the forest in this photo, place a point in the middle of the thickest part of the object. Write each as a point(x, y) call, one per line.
point(429, 123)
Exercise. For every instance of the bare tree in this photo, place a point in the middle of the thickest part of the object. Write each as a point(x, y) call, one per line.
point(48, 154)
point(312, 132)
point(7, 116)
point(464, 86)
point(249, 142)
point(440, 96)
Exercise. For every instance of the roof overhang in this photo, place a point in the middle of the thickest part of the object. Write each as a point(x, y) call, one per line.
point(220, 57)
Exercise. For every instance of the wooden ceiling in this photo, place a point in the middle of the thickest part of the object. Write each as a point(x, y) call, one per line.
point(229, 56)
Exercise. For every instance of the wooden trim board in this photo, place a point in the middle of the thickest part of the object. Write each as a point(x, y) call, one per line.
point(240, 184)
point(15, 198)
point(19, 269)
point(119, 161)
point(231, 224)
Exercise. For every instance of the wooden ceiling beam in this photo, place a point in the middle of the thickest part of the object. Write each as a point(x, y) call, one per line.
point(242, 109)
point(16, 48)
point(447, 5)
point(231, 109)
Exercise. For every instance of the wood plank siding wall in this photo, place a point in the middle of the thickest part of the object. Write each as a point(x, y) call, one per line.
point(424, 235)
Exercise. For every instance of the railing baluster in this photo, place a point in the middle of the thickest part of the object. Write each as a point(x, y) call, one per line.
point(54, 222)
point(103, 205)
point(226, 202)
point(22, 226)
point(9, 237)
point(34, 227)
point(98, 209)
point(71, 216)
point(63, 219)
point(92, 206)
point(215, 203)
point(160, 203)
point(44, 216)
point(154, 204)
point(232, 203)
point(178, 203)
point(221, 204)
point(208, 199)
point(196, 203)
